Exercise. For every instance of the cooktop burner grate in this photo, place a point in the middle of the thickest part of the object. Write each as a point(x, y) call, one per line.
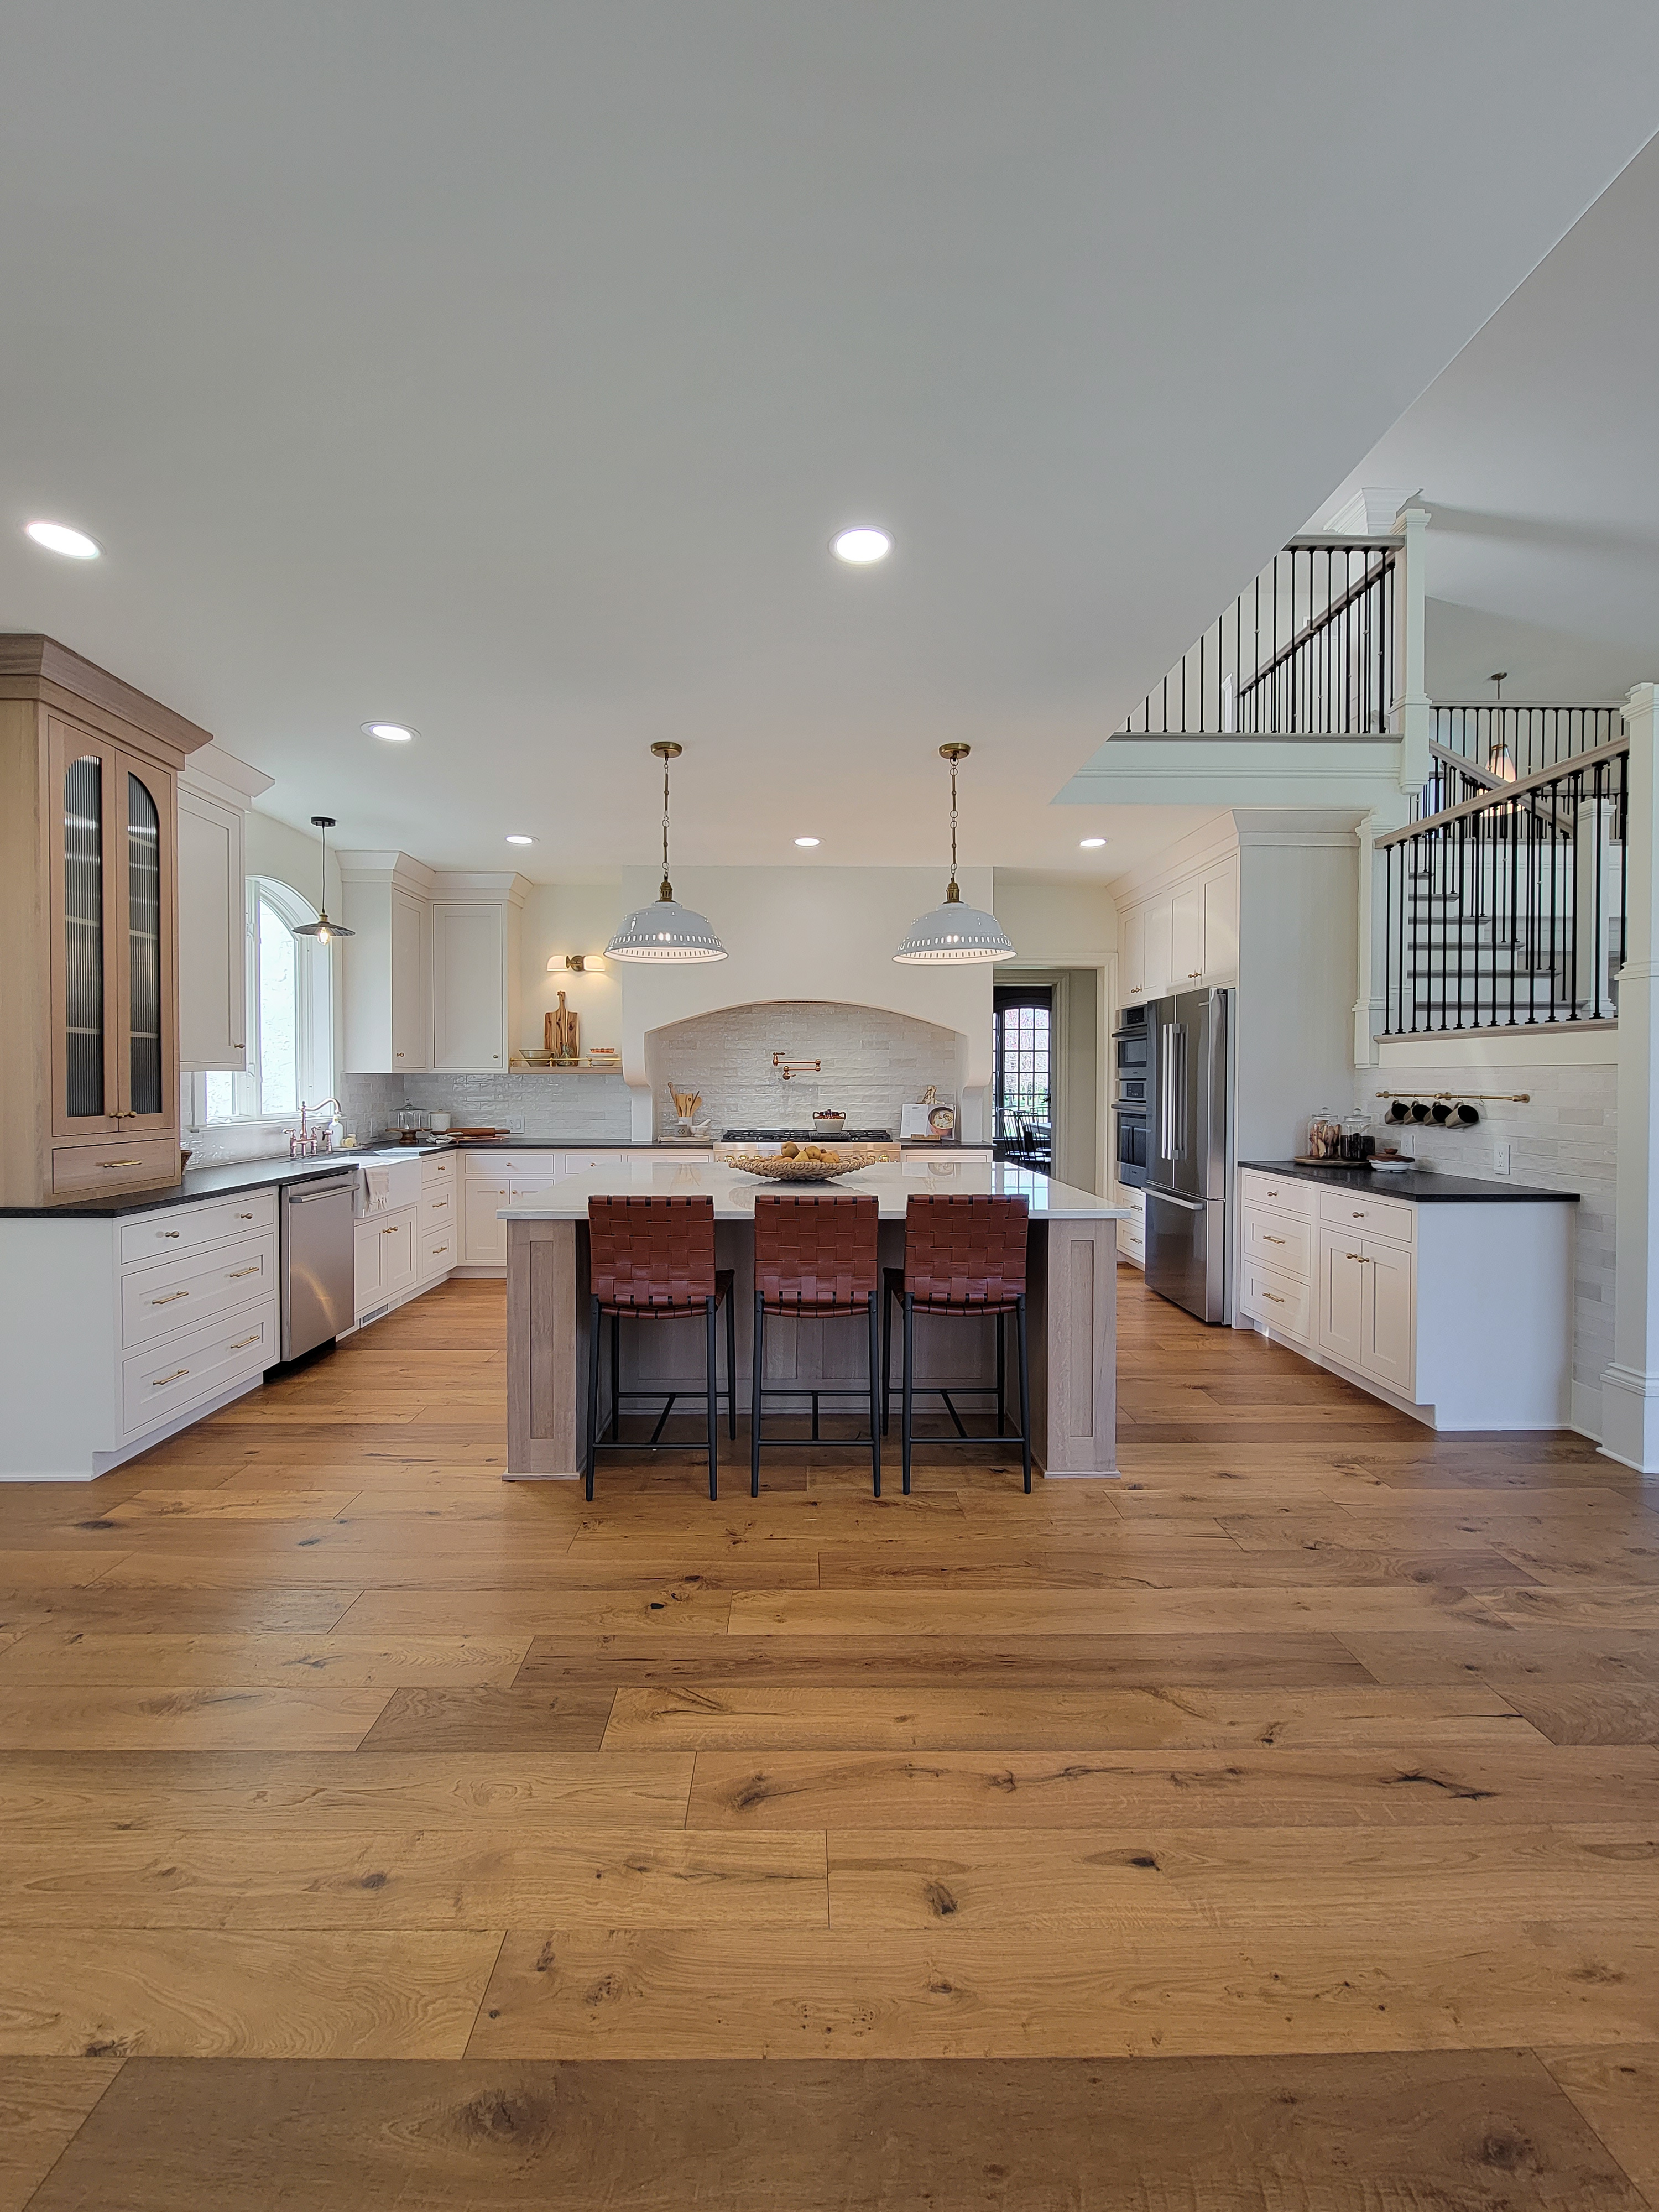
point(806, 1137)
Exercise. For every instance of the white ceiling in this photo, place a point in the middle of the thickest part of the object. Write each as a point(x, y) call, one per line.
point(1537, 452)
point(505, 369)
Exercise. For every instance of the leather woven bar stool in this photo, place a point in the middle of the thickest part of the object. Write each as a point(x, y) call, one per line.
point(653, 1258)
point(814, 1259)
point(964, 1256)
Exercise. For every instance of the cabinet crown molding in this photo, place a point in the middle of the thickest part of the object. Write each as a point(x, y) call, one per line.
point(399, 869)
point(488, 887)
point(222, 777)
point(34, 666)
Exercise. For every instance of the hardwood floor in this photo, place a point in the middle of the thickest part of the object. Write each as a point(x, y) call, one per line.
point(1279, 1821)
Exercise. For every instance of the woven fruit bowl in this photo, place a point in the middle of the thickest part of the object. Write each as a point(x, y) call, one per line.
point(811, 1164)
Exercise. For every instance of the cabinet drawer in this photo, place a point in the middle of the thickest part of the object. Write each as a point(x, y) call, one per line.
point(1356, 1212)
point(156, 1384)
point(174, 1294)
point(113, 1163)
point(529, 1190)
point(437, 1207)
point(501, 1167)
point(1277, 1301)
point(1283, 1194)
point(1280, 1242)
point(440, 1251)
point(437, 1168)
point(187, 1228)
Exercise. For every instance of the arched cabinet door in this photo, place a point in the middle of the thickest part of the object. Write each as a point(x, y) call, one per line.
point(149, 1046)
point(113, 981)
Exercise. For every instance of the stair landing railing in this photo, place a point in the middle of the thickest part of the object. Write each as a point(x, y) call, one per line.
point(1506, 906)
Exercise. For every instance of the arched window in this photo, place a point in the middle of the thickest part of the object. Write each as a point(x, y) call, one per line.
point(290, 1017)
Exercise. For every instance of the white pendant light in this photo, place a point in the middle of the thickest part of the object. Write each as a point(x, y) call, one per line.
point(953, 932)
point(665, 931)
point(323, 929)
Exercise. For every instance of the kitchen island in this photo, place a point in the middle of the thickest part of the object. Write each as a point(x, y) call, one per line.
point(1071, 1306)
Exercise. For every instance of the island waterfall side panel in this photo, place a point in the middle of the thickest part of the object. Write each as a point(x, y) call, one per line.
point(1073, 1319)
point(547, 1296)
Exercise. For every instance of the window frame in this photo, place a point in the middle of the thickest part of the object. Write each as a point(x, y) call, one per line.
point(313, 1021)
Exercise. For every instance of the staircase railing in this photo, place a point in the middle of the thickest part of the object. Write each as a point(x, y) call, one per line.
point(1311, 648)
point(1477, 745)
point(1506, 908)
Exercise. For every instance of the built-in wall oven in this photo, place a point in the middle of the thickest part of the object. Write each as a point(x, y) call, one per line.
point(1132, 1094)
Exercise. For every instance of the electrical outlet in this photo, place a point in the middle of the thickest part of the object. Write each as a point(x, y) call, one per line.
point(1500, 1158)
point(1406, 1142)
point(514, 1125)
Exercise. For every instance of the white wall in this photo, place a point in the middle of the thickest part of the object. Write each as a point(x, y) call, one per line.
point(1297, 933)
point(872, 1063)
point(1070, 924)
point(571, 917)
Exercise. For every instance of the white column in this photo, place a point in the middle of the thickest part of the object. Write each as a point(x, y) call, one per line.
point(1414, 710)
point(1629, 1387)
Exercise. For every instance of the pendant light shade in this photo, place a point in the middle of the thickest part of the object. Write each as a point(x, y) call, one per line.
point(665, 932)
point(953, 933)
point(323, 929)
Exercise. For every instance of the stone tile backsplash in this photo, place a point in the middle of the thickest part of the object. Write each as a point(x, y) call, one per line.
point(873, 1062)
point(549, 1103)
point(1564, 1138)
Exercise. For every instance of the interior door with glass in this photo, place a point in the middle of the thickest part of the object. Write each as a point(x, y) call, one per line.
point(85, 785)
point(147, 1049)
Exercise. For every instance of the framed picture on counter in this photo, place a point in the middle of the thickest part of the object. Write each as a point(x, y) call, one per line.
point(935, 1125)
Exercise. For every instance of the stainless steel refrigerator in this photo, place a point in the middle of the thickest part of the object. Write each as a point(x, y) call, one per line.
point(1188, 1170)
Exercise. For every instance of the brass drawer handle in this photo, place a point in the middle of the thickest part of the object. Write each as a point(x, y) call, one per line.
point(172, 1298)
point(120, 1164)
point(243, 1342)
point(244, 1216)
point(388, 1232)
point(236, 1273)
point(1274, 1297)
point(1267, 1239)
point(169, 1232)
point(177, 1376)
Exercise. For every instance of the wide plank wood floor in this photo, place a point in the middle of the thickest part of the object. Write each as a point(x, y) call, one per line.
point(1277, 1823)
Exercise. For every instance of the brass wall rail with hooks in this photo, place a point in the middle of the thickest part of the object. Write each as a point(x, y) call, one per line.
point(787, 1068)
point(1512, 1098)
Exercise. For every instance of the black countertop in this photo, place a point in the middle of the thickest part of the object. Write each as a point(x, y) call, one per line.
point(228, 1179)
point(1421, 1185)
point(195, 1183)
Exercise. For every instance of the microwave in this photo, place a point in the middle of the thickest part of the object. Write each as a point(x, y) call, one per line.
point(1132, 1045)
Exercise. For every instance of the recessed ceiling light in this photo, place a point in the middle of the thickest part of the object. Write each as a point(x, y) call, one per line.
point(513, 839)
point(862, 545)
point(807, 841)
point(58, 537)
point(1089, 843)
point(395, 734)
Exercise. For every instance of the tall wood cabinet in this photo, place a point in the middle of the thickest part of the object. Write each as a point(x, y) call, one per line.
point(89, 909)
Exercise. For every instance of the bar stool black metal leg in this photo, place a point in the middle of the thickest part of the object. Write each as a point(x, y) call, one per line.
point(732, 1367)
point(616, 1373)
point(875, 1409)
point(1001, 1321)
point(906, 1411)
point(1024, 1387)
point(759, 1360)
point(594, 1326)
point(713, 1381)
point(886, 1362)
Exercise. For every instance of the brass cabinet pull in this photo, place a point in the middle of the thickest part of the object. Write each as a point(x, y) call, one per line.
point(172, 1298)
point(1274, 1296)
point(177, 1376)
point(1267, 1239)
point(244, 1216)
point(120, 1164)
point(388, 1232)
point(243, 1342)
point(236, 1273)
point(169, 1232)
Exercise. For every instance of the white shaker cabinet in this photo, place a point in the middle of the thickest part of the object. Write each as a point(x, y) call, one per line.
point(213, 793)
point(1182, 937)
point(386, 901)
point(476, 930)
point(1457, 1309)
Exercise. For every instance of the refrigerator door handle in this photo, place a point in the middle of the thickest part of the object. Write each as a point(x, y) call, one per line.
point(1186, 1205)
point(1172, 1091)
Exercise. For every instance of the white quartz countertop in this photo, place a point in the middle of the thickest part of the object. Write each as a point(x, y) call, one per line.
point(893, 1185)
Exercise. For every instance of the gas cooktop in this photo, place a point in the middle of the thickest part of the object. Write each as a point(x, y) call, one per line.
point(806, 1137)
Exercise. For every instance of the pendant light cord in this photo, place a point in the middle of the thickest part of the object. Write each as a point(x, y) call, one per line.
point(667, 890)
point(953, 896)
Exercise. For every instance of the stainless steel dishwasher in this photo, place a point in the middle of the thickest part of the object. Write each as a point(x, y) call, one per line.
point(318, 1260)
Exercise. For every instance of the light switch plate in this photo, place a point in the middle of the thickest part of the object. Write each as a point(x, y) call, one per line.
point(1500, 1158)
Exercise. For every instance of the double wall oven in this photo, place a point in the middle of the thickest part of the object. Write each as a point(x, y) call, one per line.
point(1132, 1056)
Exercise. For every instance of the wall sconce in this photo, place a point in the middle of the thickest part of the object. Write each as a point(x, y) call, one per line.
point(577, 962)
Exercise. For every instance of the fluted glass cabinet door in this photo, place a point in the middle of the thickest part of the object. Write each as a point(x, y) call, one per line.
point(82, 945)
point(145, 995)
